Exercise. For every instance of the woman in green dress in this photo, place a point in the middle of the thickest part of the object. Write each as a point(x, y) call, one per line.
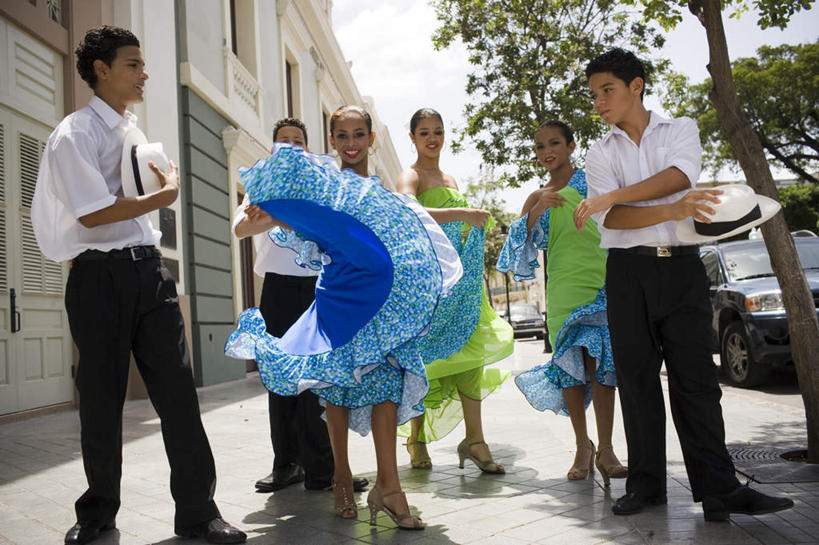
point(468, 335)
point(581, 370)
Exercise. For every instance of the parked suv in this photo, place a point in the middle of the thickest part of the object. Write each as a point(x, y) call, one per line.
point(750, 325)
point(526, 320)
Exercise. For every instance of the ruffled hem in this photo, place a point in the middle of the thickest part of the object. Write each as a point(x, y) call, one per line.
point(308, 254)
point(586, 327)
point(444, 409)
point(398, 376)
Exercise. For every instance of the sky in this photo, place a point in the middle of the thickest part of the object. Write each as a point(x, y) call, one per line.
point(389, 44)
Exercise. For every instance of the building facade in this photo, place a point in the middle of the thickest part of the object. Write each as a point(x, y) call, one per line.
point(221, 73)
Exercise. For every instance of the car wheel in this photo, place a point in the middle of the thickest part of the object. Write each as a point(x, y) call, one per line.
point(737, 360)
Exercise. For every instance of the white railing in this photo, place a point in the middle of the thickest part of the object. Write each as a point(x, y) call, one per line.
point(241, 85)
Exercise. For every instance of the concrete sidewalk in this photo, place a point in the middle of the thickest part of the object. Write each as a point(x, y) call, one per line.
point(41, 475)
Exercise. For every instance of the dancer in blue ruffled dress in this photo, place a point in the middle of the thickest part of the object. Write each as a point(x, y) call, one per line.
point(582, 369)
point(384, 266)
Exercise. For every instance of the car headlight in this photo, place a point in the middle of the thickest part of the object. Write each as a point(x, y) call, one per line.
point(771, 300)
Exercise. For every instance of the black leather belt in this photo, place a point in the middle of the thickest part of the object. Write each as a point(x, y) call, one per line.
point(657, 251)
point(134, 253)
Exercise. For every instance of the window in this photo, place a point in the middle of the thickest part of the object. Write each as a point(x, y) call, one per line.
point(288, 81)
point(233, 32)
point(325, 132)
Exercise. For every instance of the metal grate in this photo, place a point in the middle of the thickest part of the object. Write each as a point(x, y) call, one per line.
point(755, 454)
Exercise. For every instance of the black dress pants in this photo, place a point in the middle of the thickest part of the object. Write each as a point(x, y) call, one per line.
point(115, 307)
point(297, 432)
point(659, 309)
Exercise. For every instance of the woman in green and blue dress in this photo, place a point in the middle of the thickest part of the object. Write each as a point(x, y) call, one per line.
point(581, 370)
point(466, 335)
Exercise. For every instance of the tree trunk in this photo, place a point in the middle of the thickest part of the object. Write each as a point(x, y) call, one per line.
point(798, 300)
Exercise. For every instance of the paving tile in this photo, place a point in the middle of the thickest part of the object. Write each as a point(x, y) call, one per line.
point(41, 475)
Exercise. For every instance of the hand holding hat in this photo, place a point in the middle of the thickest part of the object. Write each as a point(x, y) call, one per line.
point(144, 167)
point(739, 209)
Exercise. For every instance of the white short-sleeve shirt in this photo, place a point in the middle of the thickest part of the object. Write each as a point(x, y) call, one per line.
point(269, 256)
point(80, 174)
point(615, 161)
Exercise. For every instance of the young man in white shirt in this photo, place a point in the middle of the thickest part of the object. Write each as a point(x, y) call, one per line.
point(301, 446)
point(120, 298)
point(640, 177)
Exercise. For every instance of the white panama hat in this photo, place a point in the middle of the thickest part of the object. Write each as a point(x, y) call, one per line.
point(137, 177)
point(740, 209)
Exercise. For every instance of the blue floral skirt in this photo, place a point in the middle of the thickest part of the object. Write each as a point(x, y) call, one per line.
point(384, 263)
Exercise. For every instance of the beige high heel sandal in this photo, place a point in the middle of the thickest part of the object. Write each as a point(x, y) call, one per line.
point(613, 471)
point(346, 508)
point(582, 473)
point(375, 501)
point(483, 465)
point(418, 461)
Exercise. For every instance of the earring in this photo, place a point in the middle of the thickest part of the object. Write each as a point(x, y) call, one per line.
point(413, 148)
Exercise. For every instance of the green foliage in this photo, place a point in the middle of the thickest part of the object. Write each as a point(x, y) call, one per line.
point(484, 192)
point(778, 91)
point(528, 60)
point(770, 13)
point(800, 204)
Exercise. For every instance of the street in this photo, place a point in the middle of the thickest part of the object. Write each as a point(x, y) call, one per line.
point(41, 476)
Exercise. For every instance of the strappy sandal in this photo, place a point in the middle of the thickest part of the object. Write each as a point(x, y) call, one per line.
point(483, 465)
point(419, 458)
point(406, 521)
point(612, 471)
point(581, 473)
point(346, 508)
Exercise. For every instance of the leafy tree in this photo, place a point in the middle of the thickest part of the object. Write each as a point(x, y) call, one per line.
point(800, 203)
point(528, 59)
point(779, 93)
point(747, 148)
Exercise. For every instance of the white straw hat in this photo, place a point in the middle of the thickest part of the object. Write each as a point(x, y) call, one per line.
point(137, 177)
point(740, 209)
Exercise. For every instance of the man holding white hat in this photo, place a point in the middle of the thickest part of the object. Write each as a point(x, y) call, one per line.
point(120, 298)
point(640, 176)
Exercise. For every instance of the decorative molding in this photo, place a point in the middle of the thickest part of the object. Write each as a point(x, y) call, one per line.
point(239, 116)
point(281, 7)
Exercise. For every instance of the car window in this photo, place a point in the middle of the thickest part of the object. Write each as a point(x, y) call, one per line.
point(709, 259)
point(745, 261)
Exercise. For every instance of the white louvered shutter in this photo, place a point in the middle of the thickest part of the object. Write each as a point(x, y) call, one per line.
point(4, 243)
point(40, 275)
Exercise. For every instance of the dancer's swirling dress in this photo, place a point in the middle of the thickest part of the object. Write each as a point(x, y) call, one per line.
point(384, 266)
point(575, 298)
point(465, 334)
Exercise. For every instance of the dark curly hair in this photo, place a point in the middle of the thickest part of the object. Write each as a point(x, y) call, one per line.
point(100, 43)
point(623, 64)
point(290, 122)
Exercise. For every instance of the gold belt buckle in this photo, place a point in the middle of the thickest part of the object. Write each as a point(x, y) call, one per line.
point(663, 251)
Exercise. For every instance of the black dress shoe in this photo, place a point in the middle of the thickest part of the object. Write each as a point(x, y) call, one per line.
point(742, 500)
point(281, 478)
point(633, 502)
point(84, 532)
point(215, 531)
point(360, 484)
